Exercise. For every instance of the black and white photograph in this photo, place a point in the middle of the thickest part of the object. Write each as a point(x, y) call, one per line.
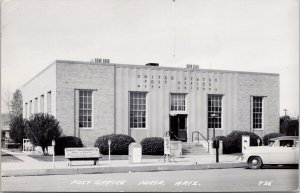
point(149, 95)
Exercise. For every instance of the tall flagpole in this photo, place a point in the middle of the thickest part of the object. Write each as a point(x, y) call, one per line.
point(173, 33)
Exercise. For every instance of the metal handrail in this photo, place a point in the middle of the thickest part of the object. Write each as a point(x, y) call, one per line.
point(193, 135)
point(173, 135)
point(198, 138)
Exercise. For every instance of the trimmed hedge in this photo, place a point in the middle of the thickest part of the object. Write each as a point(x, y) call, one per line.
point(266, 138)
point(153, 146)
point(64, 142)
point(119, 144)
point(232, 143)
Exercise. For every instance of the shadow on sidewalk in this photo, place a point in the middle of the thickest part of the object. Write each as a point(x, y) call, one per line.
point(49, 158)
point(5, 157)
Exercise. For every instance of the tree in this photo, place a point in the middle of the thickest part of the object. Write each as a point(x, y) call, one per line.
point(5, 100)
point(17, 129)
point(16, 104)
point(289, 126)
point(41, 129)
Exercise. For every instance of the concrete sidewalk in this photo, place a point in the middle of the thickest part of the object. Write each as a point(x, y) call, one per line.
point(31, 166)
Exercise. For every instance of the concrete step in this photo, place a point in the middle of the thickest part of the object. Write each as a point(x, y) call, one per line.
point(197, 153)
point(193, 148)
point(191, 143)
point(194, 151)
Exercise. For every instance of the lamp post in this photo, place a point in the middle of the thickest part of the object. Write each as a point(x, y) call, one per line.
point(109, 143)
point(214, 129)
point(215, 142)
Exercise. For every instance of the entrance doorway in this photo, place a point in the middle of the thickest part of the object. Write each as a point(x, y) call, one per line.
point(178, 127)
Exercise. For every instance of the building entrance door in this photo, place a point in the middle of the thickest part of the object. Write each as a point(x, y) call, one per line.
point(178, 127)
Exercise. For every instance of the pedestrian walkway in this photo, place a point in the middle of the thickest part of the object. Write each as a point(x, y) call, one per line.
point(22, 156)
point(31, 166)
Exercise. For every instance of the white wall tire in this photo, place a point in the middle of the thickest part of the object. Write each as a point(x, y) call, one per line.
point(255, 162)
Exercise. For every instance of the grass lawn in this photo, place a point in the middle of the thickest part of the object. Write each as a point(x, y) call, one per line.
point(8, 158)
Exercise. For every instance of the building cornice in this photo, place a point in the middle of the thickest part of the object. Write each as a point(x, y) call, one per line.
point(163, 67)
point(146, 67)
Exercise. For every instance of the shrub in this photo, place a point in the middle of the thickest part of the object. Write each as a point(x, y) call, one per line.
point(233, 142)
point(17, 129)
point(289, 126)
point(266, 138)
point(65, 142)
point(153, 146)
point(41, 129)
point(119, 144)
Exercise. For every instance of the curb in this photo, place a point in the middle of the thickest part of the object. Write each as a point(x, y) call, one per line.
point(122, 169)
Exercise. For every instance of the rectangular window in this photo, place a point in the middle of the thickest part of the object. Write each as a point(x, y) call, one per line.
point(137, 109)
point(36, 105)
point(257, 112)
point(85, 109)
point(42, 104)
point(214, 108)
point(178, 102)
point(49, 103)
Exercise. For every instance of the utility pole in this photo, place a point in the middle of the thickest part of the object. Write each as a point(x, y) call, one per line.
point(285, 110)
point(173, 33)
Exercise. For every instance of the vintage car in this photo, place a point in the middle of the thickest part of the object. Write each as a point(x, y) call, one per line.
point(281, 150)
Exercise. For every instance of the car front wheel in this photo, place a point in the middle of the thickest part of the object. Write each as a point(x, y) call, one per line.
point(255, 162)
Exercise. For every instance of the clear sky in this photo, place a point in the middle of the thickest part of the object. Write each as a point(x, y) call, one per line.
point(243, 35)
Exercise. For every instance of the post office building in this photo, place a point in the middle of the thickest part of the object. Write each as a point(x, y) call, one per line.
point(91, 99)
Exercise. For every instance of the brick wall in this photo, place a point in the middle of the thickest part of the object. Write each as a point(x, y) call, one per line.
point(71, 77)
point(65, 78)
point(39, 85)
point(258, 85)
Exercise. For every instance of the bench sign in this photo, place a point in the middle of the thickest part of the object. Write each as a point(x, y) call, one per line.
point(89, 152)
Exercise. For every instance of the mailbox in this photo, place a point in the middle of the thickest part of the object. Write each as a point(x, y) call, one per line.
point(135, 153)
point(216, 144)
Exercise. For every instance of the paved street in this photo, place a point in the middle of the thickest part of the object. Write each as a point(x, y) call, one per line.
point(239, 179)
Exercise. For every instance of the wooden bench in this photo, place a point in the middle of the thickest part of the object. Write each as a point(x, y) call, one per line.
point(82, 154)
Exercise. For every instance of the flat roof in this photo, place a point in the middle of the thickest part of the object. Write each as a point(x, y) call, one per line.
point(147, 67)
point(163, 67)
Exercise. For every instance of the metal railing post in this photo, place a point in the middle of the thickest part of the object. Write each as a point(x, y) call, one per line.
point(199, 134)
